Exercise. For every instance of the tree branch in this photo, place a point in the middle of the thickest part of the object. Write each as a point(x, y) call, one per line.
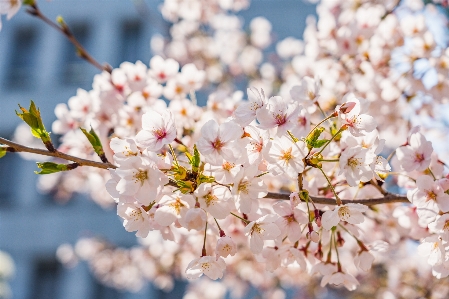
point(64, 29)
point(388, 198)
point(15, 147)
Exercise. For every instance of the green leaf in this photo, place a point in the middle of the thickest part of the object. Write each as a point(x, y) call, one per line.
point(2, 151)
point(95, 142)
point(292, 136)
point(319, 143)
point(51, 167)
point(28, 2)
point(205, 179)
point(185, 186)
point(32, 117)
point(313, 137)
point(196, 160)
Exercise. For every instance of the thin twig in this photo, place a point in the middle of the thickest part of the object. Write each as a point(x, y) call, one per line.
point(15, 147)
point(64, 29)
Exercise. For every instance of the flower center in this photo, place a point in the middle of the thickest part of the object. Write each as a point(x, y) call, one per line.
point(290, 218)
point(205, 266)
point(344, 213)
point(159, 133)
point(287, 155)
point(353, 162)
point(311, 95)
point(419, 157)
point(431, 196)
point(177, 205)
point(136, 214)
point(257, 228)
point(446, 226)
point(209, 199)
point(217, 144)
point(280, 119)
point(243, 187)
point(141, 176)
point(128, 152)
point(228, 166)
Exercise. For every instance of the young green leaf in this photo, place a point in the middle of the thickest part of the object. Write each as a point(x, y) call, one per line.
point(51, 167)
point(32, 118)
point(96, 143)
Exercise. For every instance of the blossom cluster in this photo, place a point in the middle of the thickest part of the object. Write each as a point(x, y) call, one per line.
point(279, 181)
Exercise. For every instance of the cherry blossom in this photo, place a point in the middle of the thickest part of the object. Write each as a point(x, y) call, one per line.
point(260, 230)
point(351, 213)
point(416, 155)
point(214, 199)
point(225, 246)
point(278, 115)
point(207, 265)
point(285, 156)
point(218, 141)
point(158, 130)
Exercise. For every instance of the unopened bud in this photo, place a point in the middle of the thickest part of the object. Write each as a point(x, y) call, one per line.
point(340, 240)
point(317, 217)
point(347, 107)
point(313, 236)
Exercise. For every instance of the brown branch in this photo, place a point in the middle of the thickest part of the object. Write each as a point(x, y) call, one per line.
point(15, 147)
point(389, 198)
point(64, 29)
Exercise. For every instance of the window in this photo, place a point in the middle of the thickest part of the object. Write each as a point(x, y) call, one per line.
point(74, 68)
point(131, 36)
point(46, 278)
point(8, 169)
point(22, 60)
point(104, 292)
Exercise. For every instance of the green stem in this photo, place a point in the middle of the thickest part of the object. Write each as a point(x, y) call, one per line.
point(329, 117)
point(203, 252)
point(338, 200)
point(244, 220)
point(330, 140)
point(217, 224)
point(336, 251)
point(430, 171)
point(329, 160)
point(173, 154)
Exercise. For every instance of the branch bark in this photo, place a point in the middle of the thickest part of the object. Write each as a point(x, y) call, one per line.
point(388, 198)
point(15, 147)
point(65, 30)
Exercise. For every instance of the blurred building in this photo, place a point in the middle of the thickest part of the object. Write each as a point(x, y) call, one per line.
point(37, 62)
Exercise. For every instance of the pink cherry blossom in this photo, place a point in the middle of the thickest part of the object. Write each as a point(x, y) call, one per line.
point(158, 130)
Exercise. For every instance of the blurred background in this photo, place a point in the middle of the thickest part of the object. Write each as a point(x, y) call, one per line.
point(38, 63)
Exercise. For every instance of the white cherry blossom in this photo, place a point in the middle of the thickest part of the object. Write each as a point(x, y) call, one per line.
point(351, 213)
point(135, 218)
point(207, 265)
point(158, 130)
point(217, 142)
point(285, 156)
point(173, 206)
point(278, 115)
point(225, 246)
point(416, 155)
point(214, 199)
point(260, 230)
